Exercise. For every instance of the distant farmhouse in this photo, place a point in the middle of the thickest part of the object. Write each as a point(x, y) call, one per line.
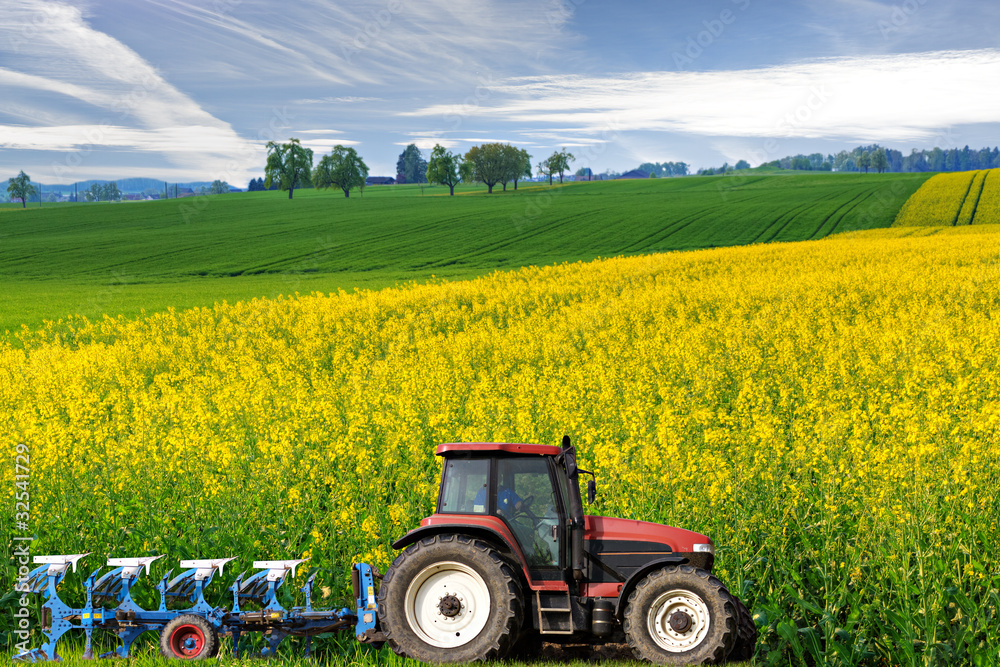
point(380, 180)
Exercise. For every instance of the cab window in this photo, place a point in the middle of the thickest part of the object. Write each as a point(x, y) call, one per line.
point(526, 501)
point(464, 487)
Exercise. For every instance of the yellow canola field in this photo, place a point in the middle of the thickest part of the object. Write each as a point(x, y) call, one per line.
point(988, 211)
point(829, 412)
point(959, 198)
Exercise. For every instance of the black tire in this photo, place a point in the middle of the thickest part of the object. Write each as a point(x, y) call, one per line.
point(189, 637)
point(417, 623)
point(528, 647)
point(698, 604)
point(746, 634)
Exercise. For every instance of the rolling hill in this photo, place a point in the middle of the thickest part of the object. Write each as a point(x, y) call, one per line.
point(121, 258)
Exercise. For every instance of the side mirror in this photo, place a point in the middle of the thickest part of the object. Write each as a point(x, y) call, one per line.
point(591, 491)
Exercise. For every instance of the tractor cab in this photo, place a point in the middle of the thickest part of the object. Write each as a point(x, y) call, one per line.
point(523, 491)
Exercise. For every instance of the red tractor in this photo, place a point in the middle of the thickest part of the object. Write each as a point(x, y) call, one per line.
point(509, 560)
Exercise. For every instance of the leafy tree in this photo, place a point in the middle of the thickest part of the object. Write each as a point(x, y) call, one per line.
point(412, 165)
point(559, 162)
point(513, 159)
point(801, 163)
point(444, 168)
point(865, 161)
point(110, 191)
point(20, 187)
point(489, 164)
point(342, 168)
point(742, 164)
point(218, 187)
point(545, 170)
point(522, 166)
point(466, 172)
point(880, 161)
point(288, 165)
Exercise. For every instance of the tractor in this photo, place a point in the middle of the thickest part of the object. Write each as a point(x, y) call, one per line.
point(510, 560)
point(507, 561)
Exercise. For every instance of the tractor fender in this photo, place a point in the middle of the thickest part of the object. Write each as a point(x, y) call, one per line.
point(503, 543)
point(638, 576)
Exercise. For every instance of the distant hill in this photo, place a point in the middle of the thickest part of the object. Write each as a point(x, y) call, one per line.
point(126, 185)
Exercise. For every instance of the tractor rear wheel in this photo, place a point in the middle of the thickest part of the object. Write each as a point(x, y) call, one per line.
point(450, 598)
point(189, 637)
point(681, 615)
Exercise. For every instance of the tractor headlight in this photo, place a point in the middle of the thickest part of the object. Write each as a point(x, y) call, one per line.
point(704, 548)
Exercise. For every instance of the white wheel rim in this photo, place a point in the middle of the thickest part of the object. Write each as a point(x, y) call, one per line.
point(665, 606)
point(423, 604)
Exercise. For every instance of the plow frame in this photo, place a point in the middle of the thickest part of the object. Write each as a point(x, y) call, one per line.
point(128, 620)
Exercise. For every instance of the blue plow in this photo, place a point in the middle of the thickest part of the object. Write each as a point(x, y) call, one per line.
point(192, 632)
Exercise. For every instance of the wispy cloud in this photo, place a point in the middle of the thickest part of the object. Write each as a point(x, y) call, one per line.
point(94, 76)
point(338, 100)
point(881, 98)
point(316, 132)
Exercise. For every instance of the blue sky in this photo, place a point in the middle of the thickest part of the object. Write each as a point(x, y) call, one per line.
point(192, 89)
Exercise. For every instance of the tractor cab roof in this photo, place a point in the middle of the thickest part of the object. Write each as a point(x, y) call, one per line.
point(504, 447)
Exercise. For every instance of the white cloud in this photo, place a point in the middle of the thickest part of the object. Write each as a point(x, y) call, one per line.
point(338, 100)
point(428, 143)
point(885, 98)
point(351, 42)
point(316, 132)
point(58, 56)
point(320, 146)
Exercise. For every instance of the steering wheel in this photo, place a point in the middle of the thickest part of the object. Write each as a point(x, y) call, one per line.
point(525, 509)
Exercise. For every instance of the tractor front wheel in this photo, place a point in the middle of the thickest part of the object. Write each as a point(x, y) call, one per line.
point(681, 615)
point(189, 637)
point(746, 636)
point(449, 598)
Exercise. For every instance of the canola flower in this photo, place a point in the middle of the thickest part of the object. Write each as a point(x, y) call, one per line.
point(829, 412)
point(988, 210)
point(959, 198)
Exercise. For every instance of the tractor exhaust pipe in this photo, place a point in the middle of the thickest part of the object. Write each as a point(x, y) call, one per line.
point(577, 524)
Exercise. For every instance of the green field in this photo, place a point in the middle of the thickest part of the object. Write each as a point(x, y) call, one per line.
point(122, 258)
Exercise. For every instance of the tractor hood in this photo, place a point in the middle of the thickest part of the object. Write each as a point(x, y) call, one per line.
point(611, 530)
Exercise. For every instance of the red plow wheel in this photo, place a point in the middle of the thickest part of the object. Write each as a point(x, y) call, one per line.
point(189, 637)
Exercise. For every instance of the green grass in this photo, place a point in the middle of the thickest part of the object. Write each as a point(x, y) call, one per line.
point(123, 258)
point(350, 653)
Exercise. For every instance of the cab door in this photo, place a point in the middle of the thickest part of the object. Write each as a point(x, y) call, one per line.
point(529, 503)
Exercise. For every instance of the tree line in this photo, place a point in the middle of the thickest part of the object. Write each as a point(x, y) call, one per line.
point(290, 166)
point(880, 159)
